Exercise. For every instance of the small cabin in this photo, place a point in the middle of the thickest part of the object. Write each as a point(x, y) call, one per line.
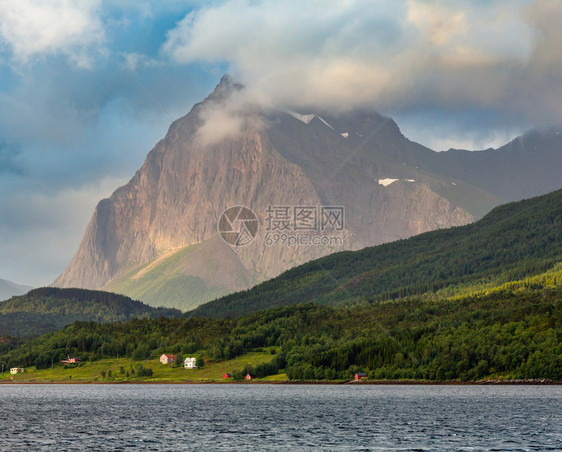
point(189, 363)
point(16, 370)
point(249, 377)
point(167, 358)
point(360, 376)
point(226, 375)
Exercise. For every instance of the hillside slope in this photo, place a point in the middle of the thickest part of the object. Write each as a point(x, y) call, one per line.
point(512, 332)
point(511, 242)
point(49, 309)
point(9, 289)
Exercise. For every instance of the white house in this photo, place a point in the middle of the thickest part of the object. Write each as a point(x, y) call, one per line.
point(167, 358)
point(189, 363)
point(16, 370)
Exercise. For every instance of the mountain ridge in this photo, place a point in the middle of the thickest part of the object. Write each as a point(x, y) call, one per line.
point(48, 309)
point(9, 289)
point(274, 158)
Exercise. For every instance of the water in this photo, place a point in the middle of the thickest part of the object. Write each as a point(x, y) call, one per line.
point(276, 417)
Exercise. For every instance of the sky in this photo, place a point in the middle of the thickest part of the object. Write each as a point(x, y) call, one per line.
point(75, 123)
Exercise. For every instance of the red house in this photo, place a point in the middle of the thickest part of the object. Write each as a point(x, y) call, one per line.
point(226, 375)
point(166, 358)
point(360, 376)
point(70, 360)
point(249, 377)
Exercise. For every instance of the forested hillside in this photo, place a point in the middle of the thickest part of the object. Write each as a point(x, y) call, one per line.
point(511, 331)
point(474, 302)
point(50, 308)
point(513, 241)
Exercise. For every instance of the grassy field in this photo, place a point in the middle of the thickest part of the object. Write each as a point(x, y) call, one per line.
point(161, 281)
point(92, 371)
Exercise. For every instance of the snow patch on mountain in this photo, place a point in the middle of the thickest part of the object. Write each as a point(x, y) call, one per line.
point(307, 118)
point(324, 121)
point(387, 181)
point(302, 118)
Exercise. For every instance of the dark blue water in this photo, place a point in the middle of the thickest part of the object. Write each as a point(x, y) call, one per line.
point(274, 417)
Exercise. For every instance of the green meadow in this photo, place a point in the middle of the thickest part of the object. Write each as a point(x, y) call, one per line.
point(92, 371)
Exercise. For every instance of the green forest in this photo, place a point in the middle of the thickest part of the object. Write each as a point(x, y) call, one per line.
point(49, 309)
point(509, 333)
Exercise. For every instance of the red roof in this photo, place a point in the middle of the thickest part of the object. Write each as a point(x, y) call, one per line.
point(170, 356)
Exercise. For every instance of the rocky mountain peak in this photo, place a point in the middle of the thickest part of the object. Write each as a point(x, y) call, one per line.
point(156, 239)
point(226, 86)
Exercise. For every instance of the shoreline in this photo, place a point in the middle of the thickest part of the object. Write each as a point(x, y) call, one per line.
point(538, 382)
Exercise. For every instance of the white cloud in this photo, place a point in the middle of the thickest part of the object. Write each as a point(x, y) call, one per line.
point(225, 117)
point(219, 123)
point(494, 55)
point(135, 61)
point(35, 27)
point(473, 34)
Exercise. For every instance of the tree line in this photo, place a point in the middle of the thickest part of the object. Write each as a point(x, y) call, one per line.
point(505, 334)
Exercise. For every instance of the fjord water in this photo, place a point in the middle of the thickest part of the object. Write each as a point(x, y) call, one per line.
point(280, 417)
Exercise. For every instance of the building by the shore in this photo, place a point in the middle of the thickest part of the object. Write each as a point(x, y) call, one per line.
point(167, 358)
point(189, 363)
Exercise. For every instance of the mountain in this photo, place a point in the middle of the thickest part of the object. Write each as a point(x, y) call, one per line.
point(514, 241)
point(530, 165)
point(156, 238)
point(9, 289)
point(48, 309)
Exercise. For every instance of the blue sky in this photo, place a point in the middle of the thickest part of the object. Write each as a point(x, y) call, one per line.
point(74, 125)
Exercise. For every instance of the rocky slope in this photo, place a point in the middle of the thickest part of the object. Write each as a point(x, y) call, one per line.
point(156, 238)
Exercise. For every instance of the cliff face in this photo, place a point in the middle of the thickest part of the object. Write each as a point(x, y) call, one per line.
point(156, 238)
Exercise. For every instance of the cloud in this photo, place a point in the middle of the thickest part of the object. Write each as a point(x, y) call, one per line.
point(70, 136)
point(226, 115)
point(41, 232)
point(496, 55)
point(219, 123)
point(37, 27)
point(8, 159)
